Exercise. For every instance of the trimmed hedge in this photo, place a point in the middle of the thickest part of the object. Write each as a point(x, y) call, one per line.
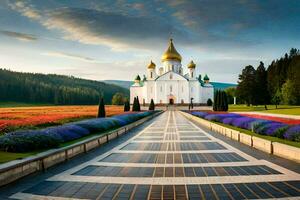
point(30, 140)
point(260, 126)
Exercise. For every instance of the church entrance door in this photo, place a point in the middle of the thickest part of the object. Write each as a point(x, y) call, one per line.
point(171, 99)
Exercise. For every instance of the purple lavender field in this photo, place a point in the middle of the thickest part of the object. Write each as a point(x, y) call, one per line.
point(259, 126)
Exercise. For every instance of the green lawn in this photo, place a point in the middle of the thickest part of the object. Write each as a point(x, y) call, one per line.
point(7, 156)
point(281, 109)
point(20, 104)
point(270, 138)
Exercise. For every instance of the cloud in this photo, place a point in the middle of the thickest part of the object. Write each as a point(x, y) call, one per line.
point(114, 30)
point(26, 9)
point(124, 25)
point(118, 31)
point(71, 56)
point(237, 21)
point(20, 36)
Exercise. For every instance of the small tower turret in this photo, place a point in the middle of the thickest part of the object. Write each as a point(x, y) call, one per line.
point(206, 79)
point(137, 79)
point(151, 71)
point(191, 67)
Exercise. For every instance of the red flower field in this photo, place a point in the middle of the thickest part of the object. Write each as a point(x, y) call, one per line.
point(277, 119)
point(24, 116)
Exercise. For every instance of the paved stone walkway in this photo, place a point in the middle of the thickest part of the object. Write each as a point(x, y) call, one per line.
point(172, 158)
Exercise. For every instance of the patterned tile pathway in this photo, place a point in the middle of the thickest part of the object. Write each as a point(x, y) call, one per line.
point(170, 159)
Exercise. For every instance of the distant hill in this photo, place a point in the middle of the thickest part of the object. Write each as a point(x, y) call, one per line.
point(123, 84)
point(54, 89)
point(222, 86)
point(127, 84)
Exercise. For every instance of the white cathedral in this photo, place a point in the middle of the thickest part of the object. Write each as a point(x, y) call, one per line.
point(168, 84)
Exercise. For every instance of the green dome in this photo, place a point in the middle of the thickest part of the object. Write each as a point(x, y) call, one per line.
point(206, 78)
point(137, 78)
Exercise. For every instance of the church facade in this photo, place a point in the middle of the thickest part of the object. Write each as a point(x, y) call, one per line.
point(169, 85)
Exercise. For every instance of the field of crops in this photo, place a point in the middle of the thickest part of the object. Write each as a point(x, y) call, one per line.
point(31, 116)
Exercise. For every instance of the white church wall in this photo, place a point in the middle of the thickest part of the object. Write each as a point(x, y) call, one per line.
point(207, 93)
point(183, 92)
point(194, 91)
point(150, 91)
point(134, 92)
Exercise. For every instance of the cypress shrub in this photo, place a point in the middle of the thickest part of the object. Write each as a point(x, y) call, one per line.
point(215, 101)
point(152, 106)
point(225, 101)
point(101, 109)
point(220, 101)
point(126, 106)
point(209, 102)
point(138, 104)
point(222, 107)
point(135, 104)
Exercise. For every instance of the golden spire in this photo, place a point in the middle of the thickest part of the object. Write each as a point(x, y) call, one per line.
point(151, 65)
point(191, 65)
point(171, 53)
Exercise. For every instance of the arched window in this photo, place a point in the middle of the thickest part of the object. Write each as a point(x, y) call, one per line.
point(192, 89)
point(151, 90)
point(171, 88)
point(151, 74)
point(160, 88)
point(171, 76)
point(192, 74)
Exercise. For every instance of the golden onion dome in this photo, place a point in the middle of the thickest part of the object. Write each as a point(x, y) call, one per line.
point(171, 53)
point(191, 65)
point(151, 65)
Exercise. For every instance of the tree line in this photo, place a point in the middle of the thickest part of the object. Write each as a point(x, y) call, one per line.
point(279, 83)
point(54, 89)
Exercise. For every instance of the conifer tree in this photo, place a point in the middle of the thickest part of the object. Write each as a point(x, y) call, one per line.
point(215, 101)
point(101, 109)
point(223, 107)
point(152, 106)
point(209, 102)
point(126, 106)
point(225, 101)
point(134, 106)
point(138, 104)
point(218, 100)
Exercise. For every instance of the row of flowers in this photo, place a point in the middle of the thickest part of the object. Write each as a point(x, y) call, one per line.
point(30, 140)
point(260, 126)
point(14, 118)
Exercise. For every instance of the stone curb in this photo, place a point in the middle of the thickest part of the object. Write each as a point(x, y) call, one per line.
point(14, 170)
point(275, 148)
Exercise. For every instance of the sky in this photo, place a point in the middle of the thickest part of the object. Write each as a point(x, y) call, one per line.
point(107, 39)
